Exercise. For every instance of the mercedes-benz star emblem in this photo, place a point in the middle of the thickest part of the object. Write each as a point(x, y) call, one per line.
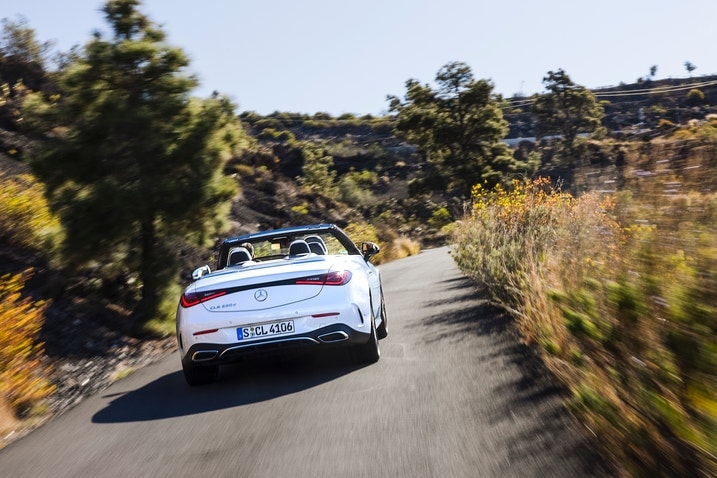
point(261, 295)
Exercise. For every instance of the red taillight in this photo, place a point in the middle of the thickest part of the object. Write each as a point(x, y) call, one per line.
point(338, 278)
point(332, 278)
point(209, 331)
point(190, 299)
point(312, 280)
point(325, 314)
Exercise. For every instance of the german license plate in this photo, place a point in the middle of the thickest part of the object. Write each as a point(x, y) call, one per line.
point(265, 330)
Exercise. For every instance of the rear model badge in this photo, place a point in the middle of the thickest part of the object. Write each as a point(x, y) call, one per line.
point(261, 295)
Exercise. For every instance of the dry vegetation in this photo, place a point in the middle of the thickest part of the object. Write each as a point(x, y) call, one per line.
point(620, 293)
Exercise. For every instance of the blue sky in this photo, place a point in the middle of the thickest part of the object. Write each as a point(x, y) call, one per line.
point(338, 56)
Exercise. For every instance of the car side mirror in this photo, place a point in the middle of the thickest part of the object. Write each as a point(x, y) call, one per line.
point(369, 249)
point(201, 272)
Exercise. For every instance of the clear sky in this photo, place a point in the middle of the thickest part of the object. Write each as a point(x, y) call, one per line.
point(340, 56)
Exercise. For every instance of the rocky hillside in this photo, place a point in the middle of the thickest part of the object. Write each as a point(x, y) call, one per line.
point(636, 106)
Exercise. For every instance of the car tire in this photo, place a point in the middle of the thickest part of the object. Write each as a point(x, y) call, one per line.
point(370, 351)
point(382, 330)
point(200, 375)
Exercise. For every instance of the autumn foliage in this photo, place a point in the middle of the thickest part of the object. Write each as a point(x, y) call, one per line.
point(22, 373)
point(26, 223)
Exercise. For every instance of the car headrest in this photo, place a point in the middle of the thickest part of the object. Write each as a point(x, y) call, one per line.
point(316, 244)
point(298, 248)
point(238, 255)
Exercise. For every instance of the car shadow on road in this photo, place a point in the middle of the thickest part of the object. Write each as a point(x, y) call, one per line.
point(239, 384)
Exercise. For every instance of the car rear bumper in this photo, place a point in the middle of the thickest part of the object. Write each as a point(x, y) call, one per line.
point(329, 336)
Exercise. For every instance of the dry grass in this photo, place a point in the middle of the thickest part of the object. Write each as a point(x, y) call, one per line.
point(622, 297)
point(393, 246)
point(8, 422)
point(398, 248)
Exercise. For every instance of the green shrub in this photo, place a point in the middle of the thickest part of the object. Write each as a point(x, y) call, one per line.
point(695, 97)
point(354, 192)
point(317, 173)
point(440, 217)
point(272, 134)
point(301, 209)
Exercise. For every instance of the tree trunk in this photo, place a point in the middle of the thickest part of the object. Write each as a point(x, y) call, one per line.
point(148, 274)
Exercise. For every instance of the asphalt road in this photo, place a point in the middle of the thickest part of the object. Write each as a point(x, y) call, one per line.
point(453, 395)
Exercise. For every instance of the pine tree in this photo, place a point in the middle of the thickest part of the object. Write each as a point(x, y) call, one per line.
point(130, 160)
point(458, 130)
point(566, 110)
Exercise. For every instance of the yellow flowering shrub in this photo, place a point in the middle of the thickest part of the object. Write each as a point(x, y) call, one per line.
point(22, 374)
point(25, 218)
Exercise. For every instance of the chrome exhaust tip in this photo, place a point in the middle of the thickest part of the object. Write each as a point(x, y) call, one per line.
point(204, 355)
point(333, 337)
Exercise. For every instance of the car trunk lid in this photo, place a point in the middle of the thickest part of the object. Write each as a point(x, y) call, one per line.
point(262, 286)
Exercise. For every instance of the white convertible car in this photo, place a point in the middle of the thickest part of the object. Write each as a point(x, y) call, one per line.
point(307, 286)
